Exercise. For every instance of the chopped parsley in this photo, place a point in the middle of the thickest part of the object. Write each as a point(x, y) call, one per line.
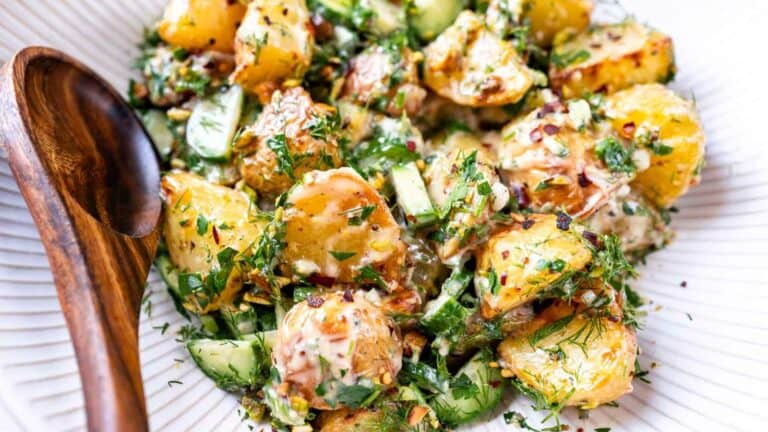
point(356, 216)
point(615, 156)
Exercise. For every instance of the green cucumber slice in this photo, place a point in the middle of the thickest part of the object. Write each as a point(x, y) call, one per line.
point(412, 195)
point(213, 124)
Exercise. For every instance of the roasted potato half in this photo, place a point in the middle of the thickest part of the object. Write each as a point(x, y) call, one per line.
point(471, 65)
point(668, 126)
point(572, 358)
point(339, 227)
point(547, 18)
point(461, 163)
point(292, 136)
point(548, 159)
point(201, 24)
point(523, 259)
point(386, 78)
point(328, 342)
point(200, 220)
point(608, 58)
point(273, 43)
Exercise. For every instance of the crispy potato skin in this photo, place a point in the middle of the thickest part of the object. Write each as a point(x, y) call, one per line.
point(345, 420)
point(318, 223)
point(654, 110)
point(289, 113)
point(549, 17)
point(273, 43)
point(587, 379)
point(355, 338)
point(516, 255)
point(473, 66)
point(550, 163)
point(188, 197)
point(377, 73)
point(620, 55)
point(201, 24)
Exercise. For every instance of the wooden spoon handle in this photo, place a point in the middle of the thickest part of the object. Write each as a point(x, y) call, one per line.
point(89, 178)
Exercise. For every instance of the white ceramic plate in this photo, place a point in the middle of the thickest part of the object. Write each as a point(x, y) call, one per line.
point(708, 340)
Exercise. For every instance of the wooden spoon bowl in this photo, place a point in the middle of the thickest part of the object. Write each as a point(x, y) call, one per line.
point(90, 177)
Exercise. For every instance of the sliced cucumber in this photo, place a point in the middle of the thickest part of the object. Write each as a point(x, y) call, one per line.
point(387, 17)
point(457, 282)
point(476, 388)
point(240, 320)
point(423, 376)
point(168, 272)
point(209, 324)
point(444, 314)
point(430, 17)
point(232, 364)
point(213, 124)
point(156, 124)
point(412, 195)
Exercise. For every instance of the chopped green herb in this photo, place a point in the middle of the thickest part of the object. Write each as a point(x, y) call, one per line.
point(616, 157)
point(285, 160)
point(202, 225)
point(567, 58)
point(341, 256)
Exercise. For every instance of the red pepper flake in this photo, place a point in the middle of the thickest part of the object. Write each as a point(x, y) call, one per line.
point(215, 232)
point(494, 383)
point(563, 221)
point(550, 107)
point(551, 129)
point(584, 181)
point(503, 279)
point(315, 301)
point(528, 223)
point(411, 144)
point(591, 237)
point(348, 296)
point(628, 130)
point(683, 284)
point(536, 135)
point(614, 37)
point(211, 41)
point(504, 254)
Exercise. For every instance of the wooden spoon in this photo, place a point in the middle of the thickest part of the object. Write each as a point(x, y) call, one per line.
point(89, 175)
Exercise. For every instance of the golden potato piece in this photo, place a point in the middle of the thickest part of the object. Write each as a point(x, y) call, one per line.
point(339, 227)
point(463, 164)
point(201, 24)
point(548, 159)
point(609, 58)
point(572, 358)
point(385, 75)
point(333, 340)
point(291, 136)
point(548, 17)
point(473, 66)
point(345, 420)
point(656, 118)
point(273, 43)
point(524, 259)
point(200, 220)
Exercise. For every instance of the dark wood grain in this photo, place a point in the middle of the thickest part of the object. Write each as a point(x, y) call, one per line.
point(89, 175)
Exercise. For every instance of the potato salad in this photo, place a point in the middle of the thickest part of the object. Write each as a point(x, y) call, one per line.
point(388, 215)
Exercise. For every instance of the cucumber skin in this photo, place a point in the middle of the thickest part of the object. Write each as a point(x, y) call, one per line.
point(454, 412)
point(450, 314)
point(412, 195)
point(233, 378)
